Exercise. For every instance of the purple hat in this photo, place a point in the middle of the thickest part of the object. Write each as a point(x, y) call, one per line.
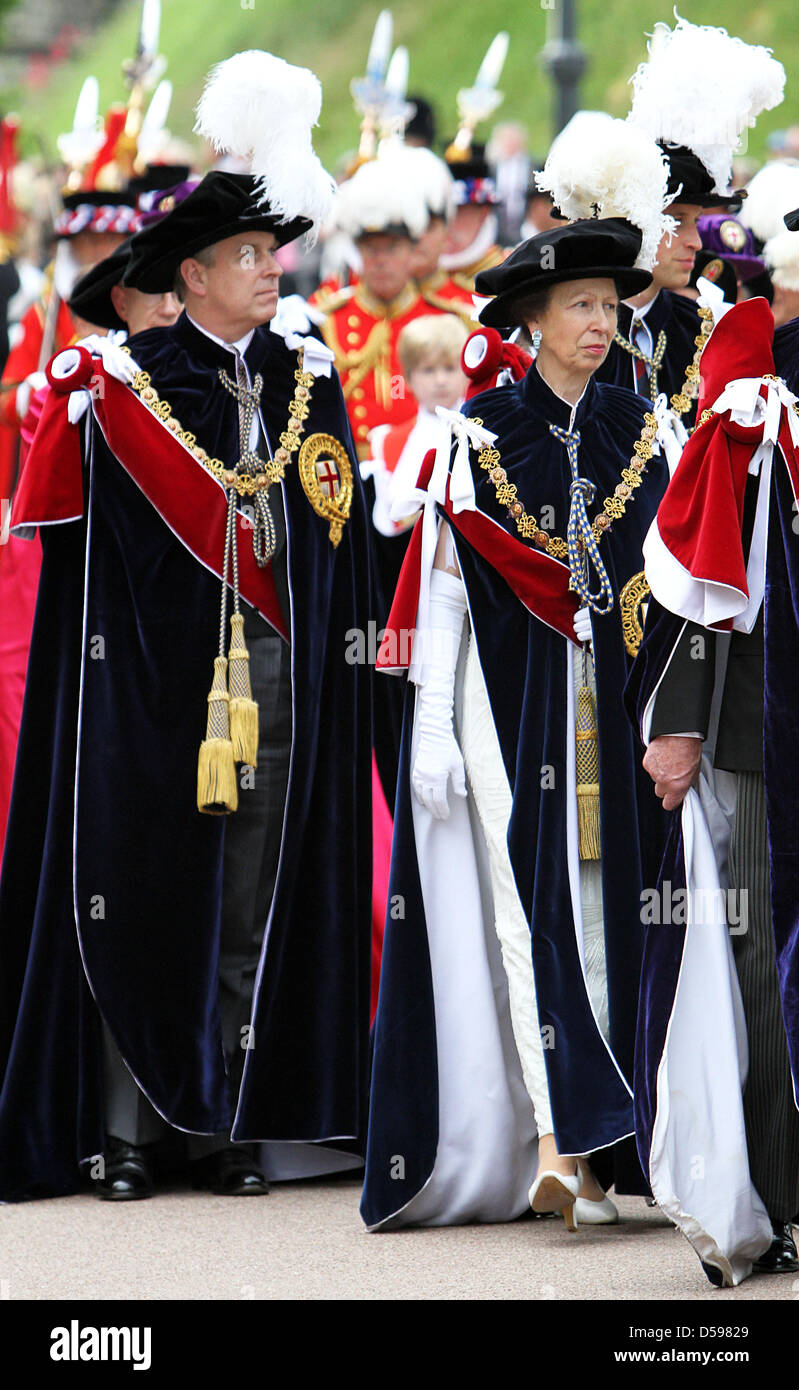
point(731, 241)
point(155, 204)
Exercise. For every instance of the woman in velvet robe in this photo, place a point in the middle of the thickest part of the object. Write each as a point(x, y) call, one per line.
point(510, 976)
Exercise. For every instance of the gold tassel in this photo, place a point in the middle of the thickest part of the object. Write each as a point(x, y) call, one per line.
point(243, 709)
point(587, 775)
point(217, 788)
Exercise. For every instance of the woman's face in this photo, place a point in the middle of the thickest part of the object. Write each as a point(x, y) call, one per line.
point(577, 326)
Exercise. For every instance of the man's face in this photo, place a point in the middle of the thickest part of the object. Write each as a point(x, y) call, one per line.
point(387, 263)
point(239, 289)
point(676, 261)
point(429, 248)
point(89, 248)
point(141, 311)
point(465, 225)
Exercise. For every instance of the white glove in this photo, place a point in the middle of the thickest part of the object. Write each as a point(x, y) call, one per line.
point(582, 625)
point(438, 756)
point(32, 383)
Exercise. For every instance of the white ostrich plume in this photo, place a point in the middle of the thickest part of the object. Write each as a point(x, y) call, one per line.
point(380, 194)
point(772, 192)
point(602, 167)
point(259, 108)
point(424, 171)
point(781, 254)
point(702, 88)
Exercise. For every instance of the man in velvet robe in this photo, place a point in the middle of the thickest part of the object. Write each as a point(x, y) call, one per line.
point(713, 692)
point(160, 965)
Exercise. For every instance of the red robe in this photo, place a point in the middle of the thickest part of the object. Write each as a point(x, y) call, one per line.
point(20, 561)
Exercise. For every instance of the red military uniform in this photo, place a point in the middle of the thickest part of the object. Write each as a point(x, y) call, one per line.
point(442, 291)
point(362, 331)
point(23, 359)
point(463, 278)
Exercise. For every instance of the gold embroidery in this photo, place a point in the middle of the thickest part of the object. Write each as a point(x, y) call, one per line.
point(631, 600)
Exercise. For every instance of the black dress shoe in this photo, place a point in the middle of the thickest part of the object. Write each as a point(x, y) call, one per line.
point(714, 1274)
point(781, 1256)
point(127, 1175)
point(230, 1172)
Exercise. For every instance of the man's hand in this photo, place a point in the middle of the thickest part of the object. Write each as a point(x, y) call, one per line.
point(672, 762)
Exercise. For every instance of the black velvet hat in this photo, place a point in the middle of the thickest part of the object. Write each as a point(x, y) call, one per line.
point(91, 297)
point(690, 182)
point(718, 270)
point(221, 205)
point(474, 166)
point(597, 248)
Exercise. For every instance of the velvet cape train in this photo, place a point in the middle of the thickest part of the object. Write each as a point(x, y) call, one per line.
point(443, 1117)
point(691, 1053)
point(125, 635)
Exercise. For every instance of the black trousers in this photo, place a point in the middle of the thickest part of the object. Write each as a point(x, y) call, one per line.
point(252, 849)
point(770, 1113)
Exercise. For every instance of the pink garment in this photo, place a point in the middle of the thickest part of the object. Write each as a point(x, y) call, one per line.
point(382, 831)
point(20, 563)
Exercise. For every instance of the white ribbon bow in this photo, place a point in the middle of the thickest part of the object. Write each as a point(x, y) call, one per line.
point(672, 435)
point(711, 296)
point(317, 357)
point(465, 432)
point(746, 406)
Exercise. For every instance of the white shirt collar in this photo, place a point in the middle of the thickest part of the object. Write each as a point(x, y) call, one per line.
point(239, 347)
point(641, 312)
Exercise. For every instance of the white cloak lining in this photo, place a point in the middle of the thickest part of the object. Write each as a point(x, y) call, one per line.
point(698, 1165)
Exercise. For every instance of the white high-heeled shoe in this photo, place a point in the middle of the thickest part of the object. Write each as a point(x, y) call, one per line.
point(589, 1212)
point(556, 1192)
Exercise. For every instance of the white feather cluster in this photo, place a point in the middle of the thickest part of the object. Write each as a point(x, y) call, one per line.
point(702, 88)
point(432, 177)
point(602, 167)
point(262, 109)
point(781, 254)
point(772, 192)
point(382, 193)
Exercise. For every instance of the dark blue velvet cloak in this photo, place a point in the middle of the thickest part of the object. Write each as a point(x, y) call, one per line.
point(147, 865)
point(679, 318)
point(524, 663)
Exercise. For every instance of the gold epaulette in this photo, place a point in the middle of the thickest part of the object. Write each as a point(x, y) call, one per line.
point(328, 301)
point(464, 311)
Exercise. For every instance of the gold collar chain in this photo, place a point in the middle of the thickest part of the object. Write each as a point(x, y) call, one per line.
point(273, 470)
point(613, 508)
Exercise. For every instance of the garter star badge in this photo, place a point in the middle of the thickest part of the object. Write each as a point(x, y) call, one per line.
point(326, 477)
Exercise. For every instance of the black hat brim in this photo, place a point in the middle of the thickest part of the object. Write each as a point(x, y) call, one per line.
point(91, 297)
point(222, 205)
point(157, 276)
point(500, 312)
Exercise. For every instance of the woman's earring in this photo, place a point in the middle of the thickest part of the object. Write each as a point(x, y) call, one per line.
point(536, 339)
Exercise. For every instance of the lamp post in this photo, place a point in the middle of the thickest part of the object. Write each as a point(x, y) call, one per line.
point(564, 59)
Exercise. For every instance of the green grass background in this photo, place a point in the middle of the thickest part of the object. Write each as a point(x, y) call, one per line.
point(446, 40)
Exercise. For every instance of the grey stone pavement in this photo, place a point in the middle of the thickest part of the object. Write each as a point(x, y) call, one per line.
point(306, 1241)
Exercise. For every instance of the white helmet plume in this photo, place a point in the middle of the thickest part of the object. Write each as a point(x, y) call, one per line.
point(602, 167)
point(262, 109)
